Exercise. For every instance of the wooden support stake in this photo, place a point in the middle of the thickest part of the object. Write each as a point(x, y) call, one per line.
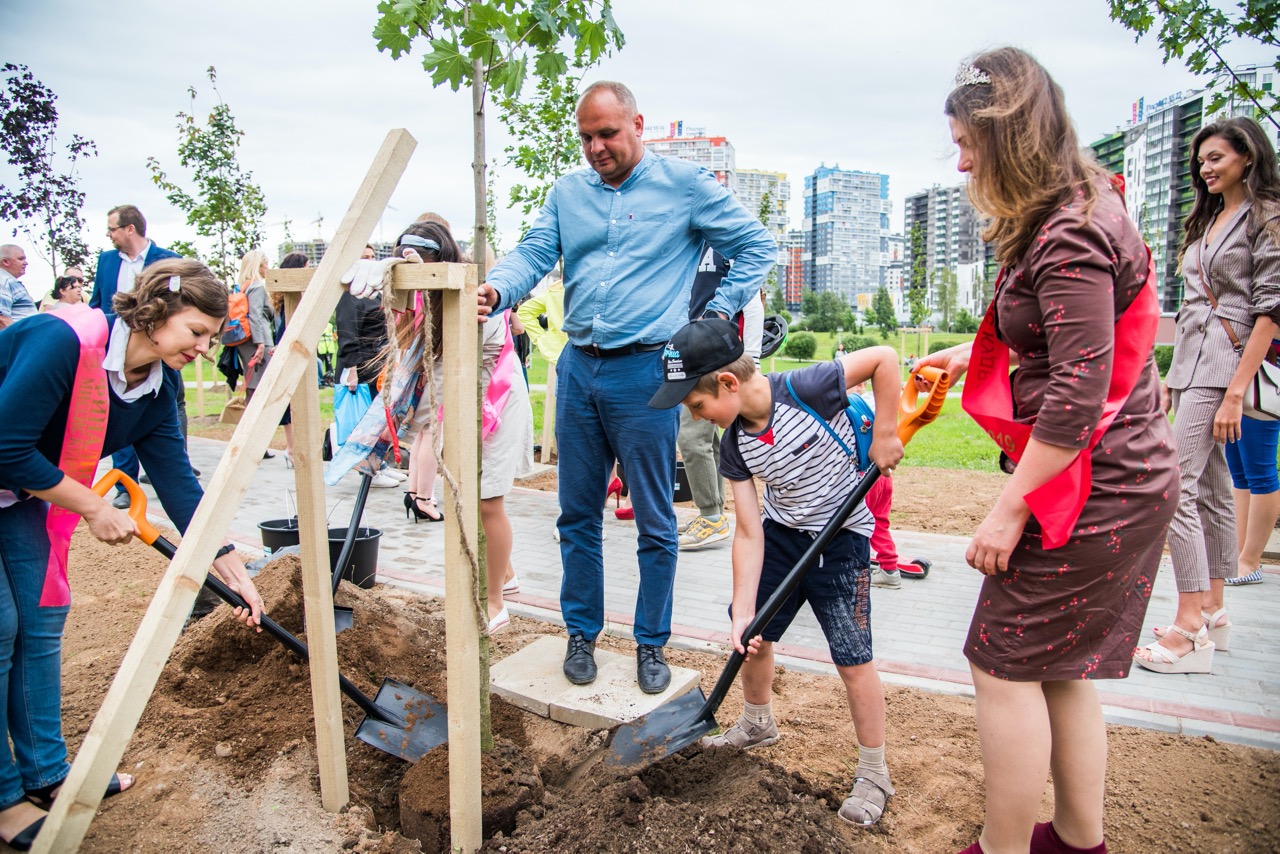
point(105, 743)
point(463, 613)
point(549, 416)
point(317, 590)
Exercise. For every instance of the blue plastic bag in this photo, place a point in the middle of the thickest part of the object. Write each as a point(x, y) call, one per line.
point(348, 408)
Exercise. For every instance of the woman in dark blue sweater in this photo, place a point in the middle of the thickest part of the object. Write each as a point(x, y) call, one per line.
point(57, 388)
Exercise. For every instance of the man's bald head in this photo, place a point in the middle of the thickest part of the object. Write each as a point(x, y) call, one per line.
point(610, 130)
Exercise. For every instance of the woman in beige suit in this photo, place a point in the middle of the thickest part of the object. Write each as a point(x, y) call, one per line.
point(1231, 263)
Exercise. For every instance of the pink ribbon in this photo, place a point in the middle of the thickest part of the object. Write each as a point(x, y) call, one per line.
point(82, 442)
point(988, 398)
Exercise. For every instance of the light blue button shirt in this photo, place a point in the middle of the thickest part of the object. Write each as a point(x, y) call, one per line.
point(631, 252)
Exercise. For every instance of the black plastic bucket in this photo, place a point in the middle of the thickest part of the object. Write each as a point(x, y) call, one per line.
point(278, 533)
point(362, 568)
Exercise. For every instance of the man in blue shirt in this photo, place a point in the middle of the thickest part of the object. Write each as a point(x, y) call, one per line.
point(116, 271)
point(15, 302)
point(630, 230)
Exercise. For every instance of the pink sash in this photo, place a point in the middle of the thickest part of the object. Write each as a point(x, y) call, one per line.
point(499, 389)
point(82, 443)
point(988, 398)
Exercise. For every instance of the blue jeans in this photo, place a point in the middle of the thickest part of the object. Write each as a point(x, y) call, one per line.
point(30, 656)
point(603, 414)
point(1252, 460)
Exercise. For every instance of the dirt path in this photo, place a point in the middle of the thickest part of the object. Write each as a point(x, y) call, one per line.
point(224, 753)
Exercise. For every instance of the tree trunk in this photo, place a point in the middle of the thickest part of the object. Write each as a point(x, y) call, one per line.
point(479, 243)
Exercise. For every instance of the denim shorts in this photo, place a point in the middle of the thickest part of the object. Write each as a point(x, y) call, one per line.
point(1252, 459)
point(838, 589)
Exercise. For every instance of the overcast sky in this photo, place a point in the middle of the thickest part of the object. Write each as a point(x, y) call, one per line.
point(792, 86)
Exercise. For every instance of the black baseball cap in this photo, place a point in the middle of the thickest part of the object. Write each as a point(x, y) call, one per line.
point(701, 348)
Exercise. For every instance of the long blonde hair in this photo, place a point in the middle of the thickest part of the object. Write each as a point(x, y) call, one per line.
point(251, 268)
point(1029, 160)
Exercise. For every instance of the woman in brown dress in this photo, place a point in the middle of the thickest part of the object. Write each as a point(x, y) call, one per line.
point(1071, 547)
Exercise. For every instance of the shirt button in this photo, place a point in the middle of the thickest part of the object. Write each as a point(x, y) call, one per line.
point(614, 221)
point(610, 254)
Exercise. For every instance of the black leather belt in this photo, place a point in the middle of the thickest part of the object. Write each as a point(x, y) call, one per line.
point(629, 350)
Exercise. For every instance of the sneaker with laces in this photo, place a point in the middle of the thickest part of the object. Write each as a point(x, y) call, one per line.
point(383, 481)
point(704, 532)
point(880, 578)
point(745, 734)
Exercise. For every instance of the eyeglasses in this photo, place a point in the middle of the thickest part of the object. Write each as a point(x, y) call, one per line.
point(112, 228)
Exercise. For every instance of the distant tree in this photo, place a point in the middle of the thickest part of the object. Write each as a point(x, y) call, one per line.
point(488, 45)
point(224, 203)
point(778, 302)
point(965, 322)
point(800, 345)
point(46, 200)
point(766, 211)
point(918, 288)
point(1197, 31)
point(947, 292)
point(882, 313)
point(546, 129)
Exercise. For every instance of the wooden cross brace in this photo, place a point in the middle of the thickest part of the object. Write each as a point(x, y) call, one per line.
point(290, 378)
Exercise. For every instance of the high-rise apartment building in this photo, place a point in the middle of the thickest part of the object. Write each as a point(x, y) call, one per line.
point(753, 184)
point(1152, 153)
point(715, 153)
point(941, 223)
point(846, 228)
point(315, 249)
point(791, 268)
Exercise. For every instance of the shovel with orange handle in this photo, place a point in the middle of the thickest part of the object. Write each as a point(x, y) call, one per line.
point(401, 720)
point(677, 724)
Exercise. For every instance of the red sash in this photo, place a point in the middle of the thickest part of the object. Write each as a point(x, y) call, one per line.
point(988, 398)
point(82, 443)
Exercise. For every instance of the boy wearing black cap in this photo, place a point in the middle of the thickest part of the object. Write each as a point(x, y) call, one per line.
point(771, 433)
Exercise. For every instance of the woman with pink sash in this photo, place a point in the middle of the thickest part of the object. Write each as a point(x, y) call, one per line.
point(1071, 547)
point(72, 392)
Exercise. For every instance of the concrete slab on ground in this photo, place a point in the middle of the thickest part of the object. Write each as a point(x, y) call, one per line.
point(533, 679)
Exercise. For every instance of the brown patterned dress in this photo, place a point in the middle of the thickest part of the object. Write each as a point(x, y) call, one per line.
point(1075, 612)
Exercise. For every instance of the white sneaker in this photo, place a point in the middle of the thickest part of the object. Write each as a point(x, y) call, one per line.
point(512, 586)
point(704, 532)
point(382, 481)
point(880, 578)
point(499, 622)
point(399, 476)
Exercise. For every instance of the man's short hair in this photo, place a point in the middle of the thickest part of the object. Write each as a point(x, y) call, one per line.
point(9, 250)
point(742, 367)
point(130, 215)
point(619, 91)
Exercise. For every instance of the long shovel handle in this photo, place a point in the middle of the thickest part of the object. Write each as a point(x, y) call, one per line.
point(349, 544)
point(914, 416)
point(152, 537)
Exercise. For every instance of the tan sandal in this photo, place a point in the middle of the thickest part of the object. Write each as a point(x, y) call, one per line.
point(1219, 632)
point(1199, 659)
point(867, 800)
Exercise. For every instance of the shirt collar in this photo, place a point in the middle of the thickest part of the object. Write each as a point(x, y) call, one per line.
point(646, 159)
point(113, 364)
point(5, 276)
point(141, 255)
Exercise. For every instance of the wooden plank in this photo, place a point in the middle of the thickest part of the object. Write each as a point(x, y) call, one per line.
point(405, 277)
point(464, 614)
point(549, 416)
point(105, 743)
point(317, 591)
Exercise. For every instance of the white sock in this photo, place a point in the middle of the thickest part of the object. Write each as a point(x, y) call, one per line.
point(762, 715)
point(872, 759)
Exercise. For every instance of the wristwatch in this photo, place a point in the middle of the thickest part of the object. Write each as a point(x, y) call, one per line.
point(225, 550)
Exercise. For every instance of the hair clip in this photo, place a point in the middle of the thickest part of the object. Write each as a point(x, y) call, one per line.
point(175, 284)
point(970, 75)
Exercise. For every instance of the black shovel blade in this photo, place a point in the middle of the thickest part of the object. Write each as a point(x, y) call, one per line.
point(343, 618)
point(426, 724)
point(668, 729)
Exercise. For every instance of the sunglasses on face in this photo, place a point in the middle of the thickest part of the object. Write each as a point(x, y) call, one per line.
point(76, 279)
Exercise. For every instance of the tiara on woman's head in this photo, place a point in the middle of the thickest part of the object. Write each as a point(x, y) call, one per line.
point(970, 75)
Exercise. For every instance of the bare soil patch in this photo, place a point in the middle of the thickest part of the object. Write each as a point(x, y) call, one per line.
point(225, 761)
